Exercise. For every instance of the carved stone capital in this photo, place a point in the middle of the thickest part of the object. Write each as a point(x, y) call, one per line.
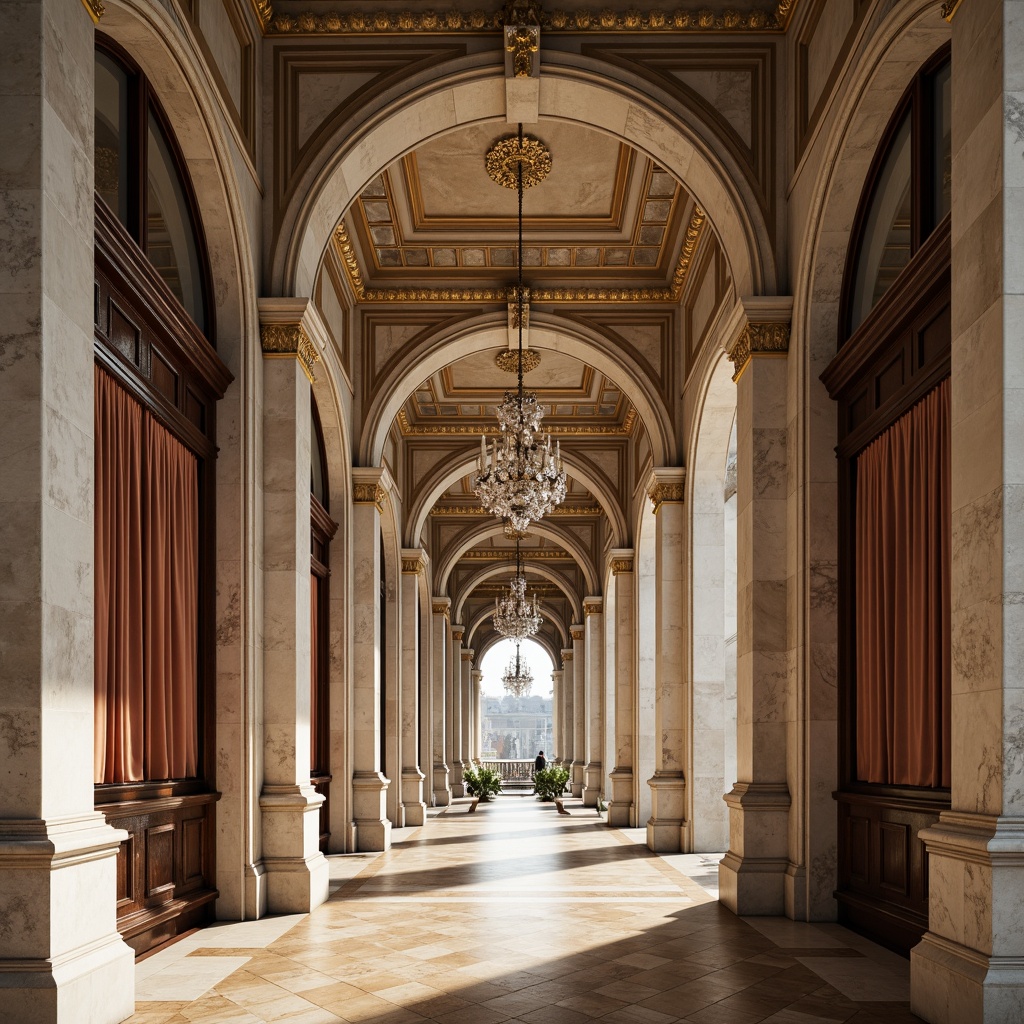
point(758, 338)
point(566, 656)
point(369, 494)
point(576, 632)
point(666, 485)
point(413, 566)
point(467, 655)
point(592, 606)
point(290, 340)
point(441, 606)
point(620, 565)
point(458, 631)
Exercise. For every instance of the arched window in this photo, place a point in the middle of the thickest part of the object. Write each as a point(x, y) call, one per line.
point(157, 383)
point(890, 381)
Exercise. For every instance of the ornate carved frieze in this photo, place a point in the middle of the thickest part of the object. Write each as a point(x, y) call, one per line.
point(475, 510)
point(369, 494)
point(758, 338)
point(290, 340)
point(502, 554)
point(95, 8)
point(477, 429)
point(620, 565)
point(762, 18)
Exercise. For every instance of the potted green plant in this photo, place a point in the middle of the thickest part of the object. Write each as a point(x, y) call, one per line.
point(550, 782)
point(483, 782)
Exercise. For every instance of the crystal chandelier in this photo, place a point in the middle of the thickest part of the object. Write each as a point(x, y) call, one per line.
point(517, 679)
point(515, 616)
point(522, 477)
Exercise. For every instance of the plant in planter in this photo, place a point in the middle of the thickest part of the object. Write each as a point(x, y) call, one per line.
point(550, 782)
point(483, 782)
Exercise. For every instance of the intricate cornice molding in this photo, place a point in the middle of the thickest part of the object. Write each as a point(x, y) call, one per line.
point(773, 18)
point(475, 510)
point(756, 339)
point(290, 340)
point(477, 429)
point(369, 494)
point(621, 565)
point(96, 10)
point(690, 240)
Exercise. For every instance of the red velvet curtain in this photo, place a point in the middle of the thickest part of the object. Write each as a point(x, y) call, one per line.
point(118, 583)
point(146, 594)
point(902, 538)
point(172, 573)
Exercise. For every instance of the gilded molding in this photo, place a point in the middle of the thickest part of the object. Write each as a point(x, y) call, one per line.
point(508, 360)
point(592, 608)
point(96, 10)
point(502, 554)
point(773, 18)
point(264, 11)
point(620, 565)
point(756, 339)
point(506, 155)
point(412, 566)
point(690, 240)
point(290, 340)
point(369, 494)
point(467, 655)
point(343, 244)
point(458, 632)
point(522, 41)
point(577, 632)
point(566, 656)
point(949, 8)
point(441, 608)
point(487, 430)
point(663, 492)
point(476, 510)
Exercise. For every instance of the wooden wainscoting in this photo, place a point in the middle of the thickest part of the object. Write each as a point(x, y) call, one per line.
point(165, 866)
point(883, 866)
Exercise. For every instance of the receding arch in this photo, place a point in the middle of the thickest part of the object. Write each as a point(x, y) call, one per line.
point(548, 332)
point(490, 527)
point(575, 88)
point(560, 580)
point(541, 640)
point(455, 468)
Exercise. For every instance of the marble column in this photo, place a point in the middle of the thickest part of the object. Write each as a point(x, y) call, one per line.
point(466, 704)
point(454, 724)
point(440, 643)
point(557, 715)
point(969, 967)
point(369, 784)
point(61, 958)
point(478, 715)
point(426, 724)
point(296, 871)
point(753, 874)
point(667, 829)
point(579, 700)
point(568, 710)
point(621, 811)
point(413, 808)
point(594, 660)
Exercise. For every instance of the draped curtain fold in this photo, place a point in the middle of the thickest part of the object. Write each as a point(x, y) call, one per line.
point(902, 543)
point(146, 588)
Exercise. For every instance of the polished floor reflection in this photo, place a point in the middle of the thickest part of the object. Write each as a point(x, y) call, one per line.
point(515, 913)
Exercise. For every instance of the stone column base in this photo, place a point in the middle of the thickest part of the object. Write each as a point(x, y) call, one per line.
point(752, 875)
point(414, 810)
point(621, 813)
point(457, 785)
point(592, 786)
point(369, 811)
point(578, 777)
point(295, 871)
point(442, 794)
point(668, 811)
point(58, 882)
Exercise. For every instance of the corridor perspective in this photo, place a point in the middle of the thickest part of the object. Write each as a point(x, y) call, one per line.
point(515, 913)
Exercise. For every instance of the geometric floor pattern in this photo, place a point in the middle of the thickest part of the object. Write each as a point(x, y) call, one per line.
point(514, 913)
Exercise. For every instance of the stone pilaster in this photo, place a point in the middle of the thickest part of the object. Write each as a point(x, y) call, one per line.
point(557, 715)
point(296, 871)
point(413, 808)
point(620, 803)
point(467, 707)
point(478, 715)
point(568, 709)
point(594, 645)
point(456, 762)
point(579, 700)
point(752, 875)
point(440, 649)
point(61, 958)
point(969, 967)
point(369, 784)
point(667, 830)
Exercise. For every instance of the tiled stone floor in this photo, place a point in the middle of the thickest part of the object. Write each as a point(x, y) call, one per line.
point(517, 914)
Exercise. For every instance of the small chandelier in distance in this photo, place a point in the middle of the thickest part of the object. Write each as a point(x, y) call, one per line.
point(522, 478)
point(517, 678)
point(515, 616)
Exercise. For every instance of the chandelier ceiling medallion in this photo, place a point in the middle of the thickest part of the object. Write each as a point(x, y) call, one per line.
point(521, 478)
point(515, 615)
point(517, 678)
